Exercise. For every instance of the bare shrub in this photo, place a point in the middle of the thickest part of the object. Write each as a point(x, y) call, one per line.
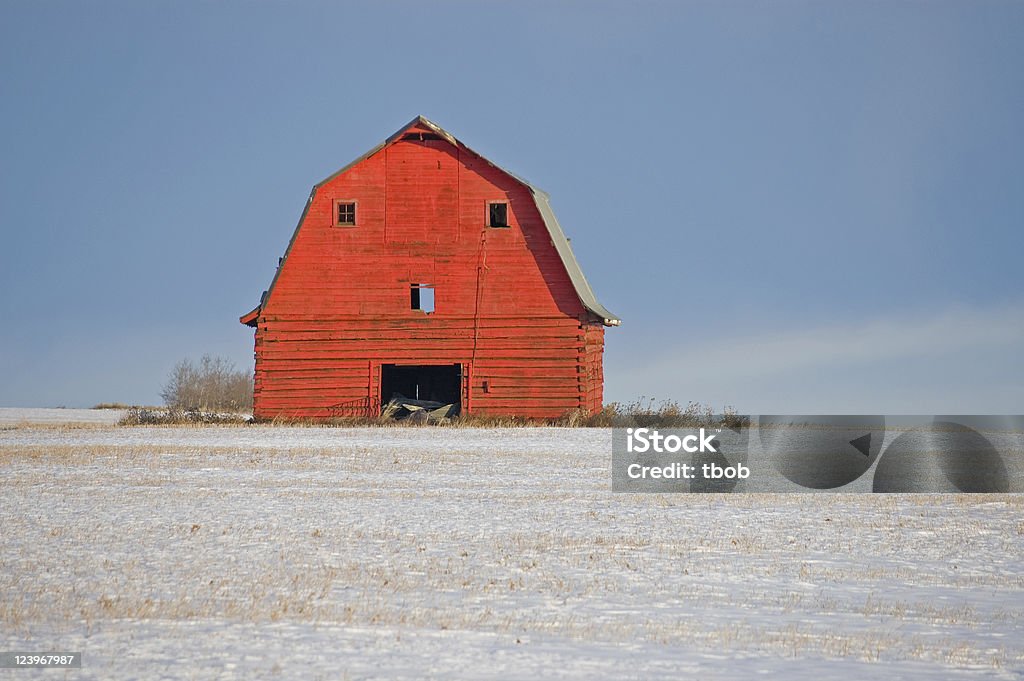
point(212, 385)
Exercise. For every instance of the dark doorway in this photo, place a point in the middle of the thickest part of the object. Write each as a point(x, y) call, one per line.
point(439, 383)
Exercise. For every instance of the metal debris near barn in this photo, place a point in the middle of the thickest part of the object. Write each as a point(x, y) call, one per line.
point(401, 408)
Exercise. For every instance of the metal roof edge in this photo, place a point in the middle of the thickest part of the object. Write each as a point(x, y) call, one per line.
point(572, 266)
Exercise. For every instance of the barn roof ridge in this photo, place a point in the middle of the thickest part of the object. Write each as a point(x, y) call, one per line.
point(540, 198)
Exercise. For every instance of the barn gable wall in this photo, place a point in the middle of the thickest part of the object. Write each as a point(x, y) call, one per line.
point(505, 307)
point(421, 212)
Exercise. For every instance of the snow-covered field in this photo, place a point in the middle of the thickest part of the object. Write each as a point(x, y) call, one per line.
point(31, 416)
point(255, 552)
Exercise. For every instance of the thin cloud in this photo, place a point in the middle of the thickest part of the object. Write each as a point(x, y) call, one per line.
point(838, 354)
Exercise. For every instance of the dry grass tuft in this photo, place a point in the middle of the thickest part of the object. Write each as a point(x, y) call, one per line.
point(644, 412)
point(143, 416)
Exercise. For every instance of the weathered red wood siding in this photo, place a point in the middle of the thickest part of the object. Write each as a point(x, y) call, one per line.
point(505, 307)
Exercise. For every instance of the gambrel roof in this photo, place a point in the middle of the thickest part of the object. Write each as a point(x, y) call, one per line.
point(540, 197)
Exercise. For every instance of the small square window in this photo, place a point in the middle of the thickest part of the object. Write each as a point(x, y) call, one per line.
point(497, 214)
point(344, 213)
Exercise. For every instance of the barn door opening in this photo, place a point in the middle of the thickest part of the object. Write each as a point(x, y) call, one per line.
point(434, 382)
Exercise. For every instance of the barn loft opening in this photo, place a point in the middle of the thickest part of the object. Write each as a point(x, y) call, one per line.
point(429, 382)
point(421, 137)
point(497, 214)
point(421, 297)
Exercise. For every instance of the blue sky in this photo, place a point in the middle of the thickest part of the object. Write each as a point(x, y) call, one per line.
point(795, 207)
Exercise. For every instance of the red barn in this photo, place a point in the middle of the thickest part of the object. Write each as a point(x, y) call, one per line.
point(422, 268)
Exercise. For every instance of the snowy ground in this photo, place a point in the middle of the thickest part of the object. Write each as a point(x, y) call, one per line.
point(255, 552)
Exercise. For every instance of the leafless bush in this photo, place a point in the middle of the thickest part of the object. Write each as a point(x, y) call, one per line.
point(214, 385)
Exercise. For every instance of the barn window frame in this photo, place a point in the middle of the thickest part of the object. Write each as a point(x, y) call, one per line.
point(488, 214)
point(336, 212)
point(418, 302)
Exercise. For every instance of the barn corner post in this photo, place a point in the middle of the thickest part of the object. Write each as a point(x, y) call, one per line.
point(423, 269)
